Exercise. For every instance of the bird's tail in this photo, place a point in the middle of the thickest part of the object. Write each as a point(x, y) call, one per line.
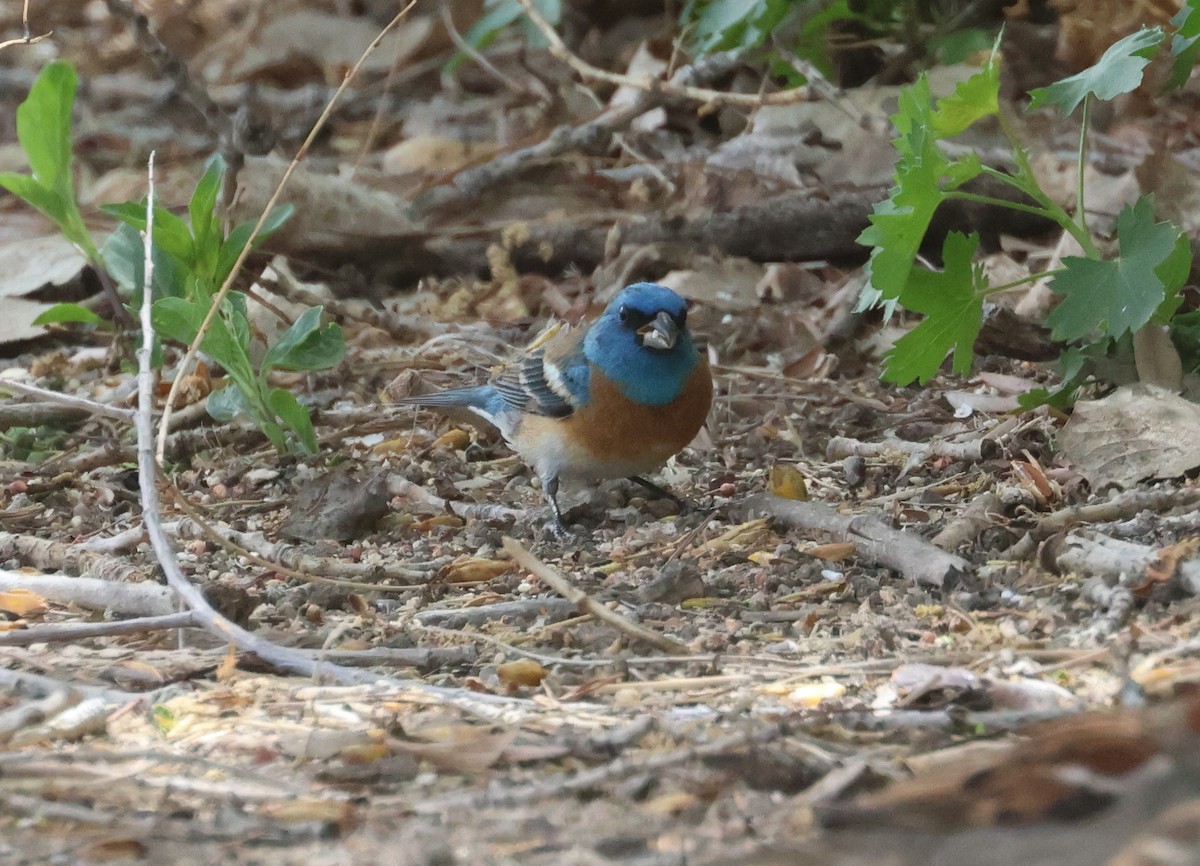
point(479, 398)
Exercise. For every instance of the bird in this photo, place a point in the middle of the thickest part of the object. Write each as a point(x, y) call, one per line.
point(1073, 793)
point(614, 398)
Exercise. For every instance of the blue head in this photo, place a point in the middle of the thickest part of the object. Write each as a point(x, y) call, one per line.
point(641, 342)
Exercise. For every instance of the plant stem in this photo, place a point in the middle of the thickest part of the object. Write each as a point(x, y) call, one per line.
point(1026, 181)
point(1032, 278)
point(1080, 213)
point(1001, 202)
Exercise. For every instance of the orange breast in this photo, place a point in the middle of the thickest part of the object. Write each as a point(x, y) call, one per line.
point(613, 428)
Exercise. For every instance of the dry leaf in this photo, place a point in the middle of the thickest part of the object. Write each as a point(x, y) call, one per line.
point(787, 482)
point(458, 749)
point(474, 569)
point(22, 602)
point(1138, 431)
point(228, 666)
point(457, 439)
point(523, 672)
point(835, 551)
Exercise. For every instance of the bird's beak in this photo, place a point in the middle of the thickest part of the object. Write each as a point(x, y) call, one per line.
point(660, 333)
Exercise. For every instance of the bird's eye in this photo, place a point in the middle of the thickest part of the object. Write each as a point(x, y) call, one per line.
point(626, 315)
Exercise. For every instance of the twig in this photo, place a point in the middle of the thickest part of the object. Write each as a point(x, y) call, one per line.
point(67, 632)
point(27, 38)
point(80, 403)
point(219, 298)
point(587, 604)
point(559, 49)
point(874, 541)
point(552, 609)
point(972, 450)
point(468, 49)
point(1120, 507)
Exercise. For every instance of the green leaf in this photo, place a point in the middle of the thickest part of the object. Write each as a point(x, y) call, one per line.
point(228, 403)
point(65, 312)
point(500, 14)
point(125, 259)
point(1185, 332)
point(306, 345)
point(232, 247)
point(1185, 44)
point(35, 194)
point(44, 127)
point(1071, 366)
point(202, 207)
point(952, 301)
point(1119, 70)
point(973, 99)
point(170, 232)
point(180, 320)
point(1122, 294)
point(288, 409)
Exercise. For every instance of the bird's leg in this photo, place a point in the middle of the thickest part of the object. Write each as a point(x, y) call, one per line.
point(663, 493)
point(557, 525)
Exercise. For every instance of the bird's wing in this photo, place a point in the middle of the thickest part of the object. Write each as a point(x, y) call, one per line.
point(550, 380)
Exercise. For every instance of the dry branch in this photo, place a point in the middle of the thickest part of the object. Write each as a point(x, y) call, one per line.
point(874, 541)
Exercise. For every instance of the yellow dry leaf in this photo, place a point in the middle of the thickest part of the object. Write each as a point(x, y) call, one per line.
point(787, 482)
point(399, 444)
point(308, 809)
point(474, 569)
point(548, 333)
point(929, 611)
point(22, 602)
point(835, 551)
point(671, 804)
point(457, 439)
point(522, 672)
point(228, 666)
point(804, 694)
point(762, 557)
point(366, 753)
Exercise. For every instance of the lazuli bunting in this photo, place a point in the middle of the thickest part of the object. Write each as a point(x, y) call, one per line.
point(614, 398)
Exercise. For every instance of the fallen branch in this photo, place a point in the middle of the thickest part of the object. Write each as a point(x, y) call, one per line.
point(559, 49)
point(592, 136)
point(76, 404)
point(1121, 507)
point(874, 541)
point(68, 632)
point(141, 597)
point(586, 603)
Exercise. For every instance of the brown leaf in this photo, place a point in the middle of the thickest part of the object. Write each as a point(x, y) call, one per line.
point(22, 602)
point(523, 672)
point(474, 569)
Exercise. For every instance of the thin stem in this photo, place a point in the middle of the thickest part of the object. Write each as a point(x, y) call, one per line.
point(1025, 180)
point(1080, 213)
point(1031, 278)
point(1000, 202)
